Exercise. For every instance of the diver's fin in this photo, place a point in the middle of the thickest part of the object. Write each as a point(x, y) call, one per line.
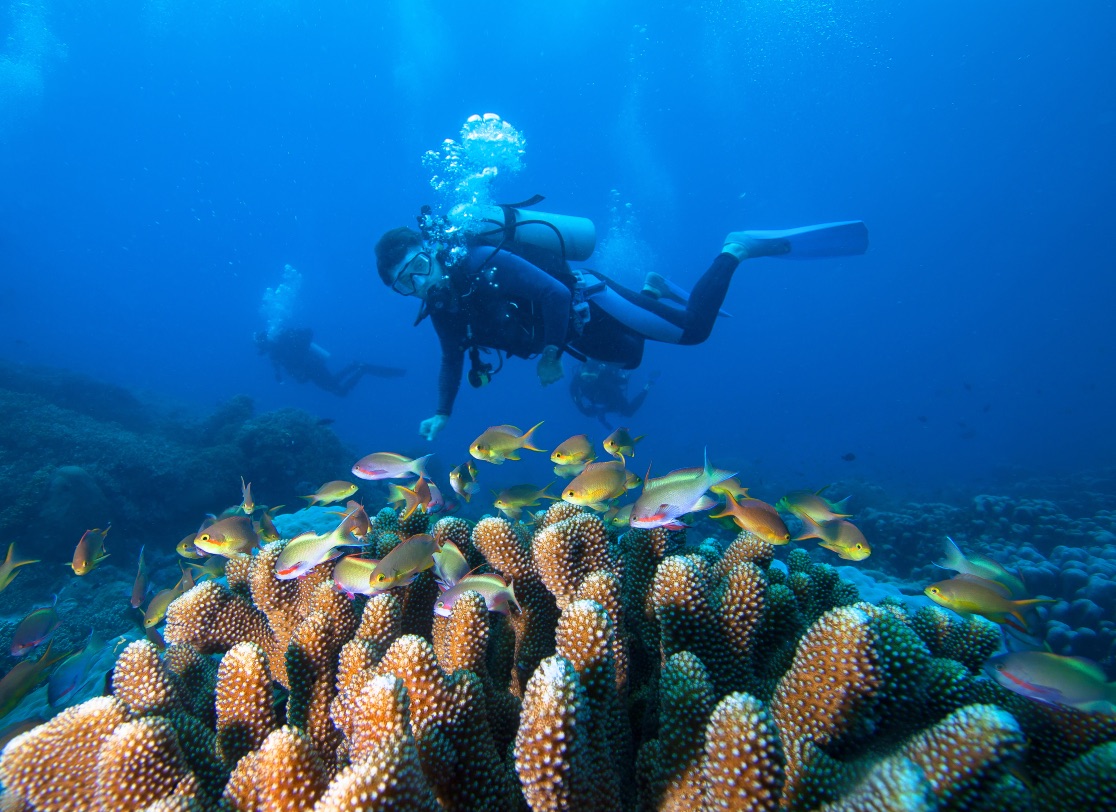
point(810, 242)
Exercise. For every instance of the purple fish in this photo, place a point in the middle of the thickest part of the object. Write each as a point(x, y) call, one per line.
point(35, 629)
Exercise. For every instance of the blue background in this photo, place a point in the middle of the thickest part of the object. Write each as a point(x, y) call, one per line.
point(161, 161)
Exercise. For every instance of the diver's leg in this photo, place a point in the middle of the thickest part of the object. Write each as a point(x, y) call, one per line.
point(610, 340)
point(349, 377)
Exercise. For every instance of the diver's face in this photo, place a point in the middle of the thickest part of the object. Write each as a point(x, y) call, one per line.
point(416, 274)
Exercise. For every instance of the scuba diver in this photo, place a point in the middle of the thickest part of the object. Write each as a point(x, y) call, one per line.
point(508, 287)
point(292, 349)
point(599, 389)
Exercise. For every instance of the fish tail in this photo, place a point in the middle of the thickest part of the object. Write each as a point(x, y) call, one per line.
point(810, 529)
point(13, 559)
point(418, 465)
point(527, 440)
point(953, 558)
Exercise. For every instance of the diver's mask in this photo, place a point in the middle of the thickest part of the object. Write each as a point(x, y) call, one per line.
point(413, 274)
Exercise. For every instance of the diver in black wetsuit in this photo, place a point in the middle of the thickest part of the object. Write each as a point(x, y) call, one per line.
point(292, 350)
point(491, 298)
point(600, 389)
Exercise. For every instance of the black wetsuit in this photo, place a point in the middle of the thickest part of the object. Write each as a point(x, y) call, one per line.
point(499, 300)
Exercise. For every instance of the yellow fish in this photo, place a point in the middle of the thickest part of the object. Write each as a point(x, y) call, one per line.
point(213, 569)
point(186, 547)
point(621, 443)
point(246, 503)
point(511, 501)
point(400, 566)
point(141, 584)
point(970, 595)
point(23, 678)
point(758, 518)
point(577, 450)
point(265, 527)
point(841, 536)
point(730, 487)
point(351, 575)
point(599, 484)
point(11, 562)
point(331, 492)
point(228, 537)
point(618, 516)
point(500, 443)
point(157, 609)
point(417, 496)
point(981, 567)
point(90, 551)
point(463, 480)
point(812, 504)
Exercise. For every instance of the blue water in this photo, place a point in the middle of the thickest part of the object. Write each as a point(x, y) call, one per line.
point(161, 161)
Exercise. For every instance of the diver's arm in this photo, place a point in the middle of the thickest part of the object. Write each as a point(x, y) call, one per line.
point(451, 336)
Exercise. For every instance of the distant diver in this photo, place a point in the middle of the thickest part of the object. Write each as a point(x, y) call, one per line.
point(497, 279)
point(599, 389)
point(292, 350)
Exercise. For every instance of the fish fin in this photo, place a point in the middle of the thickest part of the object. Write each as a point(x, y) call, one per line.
point(810, 529)
point(418, 466)
point(987, 583)
point(704, 503)
point(527, 442)
point(953, 558)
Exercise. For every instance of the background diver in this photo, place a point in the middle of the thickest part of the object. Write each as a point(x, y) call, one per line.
point(498, 296)
point(599, 389)
point(292, 350)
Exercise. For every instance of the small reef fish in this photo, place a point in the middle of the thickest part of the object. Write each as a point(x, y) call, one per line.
point(598, 484)
point(157, 609)
point(417, 496)
point(576, 451)
point(331, 492)
point(352, 574)
point(840, 535)
point(618, 516)
point(213, 568)
point(72, 671)
point(450, 565)
point(757, 517)
point(308, 550)
point(90, 551)
point(356, 520)
point(511, 501)
point(980, 567)
point(186, 547)
point(246, 503)
point(621, 443)
point(567, 471)
point(228, 537)
point(400, 566)
point(970, 595)
point(35, 629)
point(499, 443)
point(1054, 679)
point(23, 678)
point(730, 487)
point(386, 465)
point(812, 504)
point(463, 480)
point(11, 562)
point(498, 595)
point(265, 527)
point(665, 500)
point(142, 584)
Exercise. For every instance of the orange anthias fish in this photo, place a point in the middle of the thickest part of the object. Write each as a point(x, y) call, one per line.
point(400, 566)
point(571, 456)
point(419, 495)
point(621, 443)
point(246, 503)
point(970, 595)
point(35, 629)
point(23, 678)
point(11, 562)
point(500, 443)
point(90, 551)
point(356, 520)
point(265, 527)
point(141, 585)
point(758, 518)
point(332, 492)
point(598, 484)
point(841, 536)
point(463, 480)
point(228, 537)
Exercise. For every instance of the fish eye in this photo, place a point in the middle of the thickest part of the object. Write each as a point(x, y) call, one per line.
point(379, 577)
point(204, 537)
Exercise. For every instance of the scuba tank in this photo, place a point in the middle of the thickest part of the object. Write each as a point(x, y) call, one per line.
point(571, 238)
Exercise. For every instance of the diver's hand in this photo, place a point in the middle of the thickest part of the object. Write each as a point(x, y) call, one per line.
point(431, 426)
point(550, 366)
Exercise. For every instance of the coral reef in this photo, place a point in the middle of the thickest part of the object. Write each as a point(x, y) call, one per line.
point(643, 672)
